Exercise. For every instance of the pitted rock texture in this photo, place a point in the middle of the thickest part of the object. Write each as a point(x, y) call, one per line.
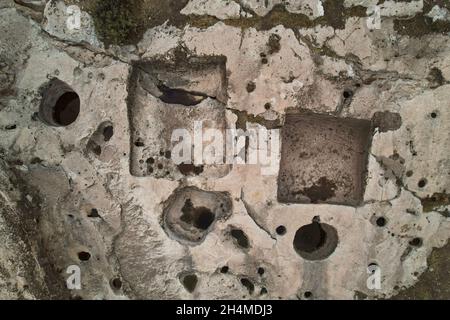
point(82, 194)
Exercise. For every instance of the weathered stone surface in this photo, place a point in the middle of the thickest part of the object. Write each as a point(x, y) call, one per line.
point(68, 198)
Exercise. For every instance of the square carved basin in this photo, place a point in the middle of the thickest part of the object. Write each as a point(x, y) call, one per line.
point(323, 159)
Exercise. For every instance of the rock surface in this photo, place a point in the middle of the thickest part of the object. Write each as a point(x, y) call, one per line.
point(78, 195)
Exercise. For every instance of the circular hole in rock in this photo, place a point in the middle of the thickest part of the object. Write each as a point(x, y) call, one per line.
point(315, 241)
point(67, 109)
point(422, 183)
point(347, 94)
point(261, 271)
point(416, 242)
point(60, 104)
point(251, 86)
point(281, 230)
point(84, 256)
point(116, 283)
point(433, 115)
point(224, 269)
point(308, 294)
point(108, 132)
point(381, 222)
point(190, 282)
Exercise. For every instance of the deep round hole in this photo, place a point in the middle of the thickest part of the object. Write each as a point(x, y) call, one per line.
point(108, 132)
point(190, 282)
point(310, 238)
point(248, 284)
point(267, 106)
point(261, 271)
point(347, 94)
point(422, 183)
point(308, 294)
point(381, 221)
point(315, 241)
point(280, 230)
point(433, 115)
point(116, 283)
point(416, 242)
point(60, 105)
point(67, 109)
point(204, 218)
point(84, 256)
point(251, 86)
point(224, 269)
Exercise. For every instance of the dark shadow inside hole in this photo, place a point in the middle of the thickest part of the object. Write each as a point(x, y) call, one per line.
point(422, 183)
point(248, 284)
point(315, 241)
point(224, 269)
point(381, 221)
point(84, 256)
point(190, 282)
point(94, 147)
point(261, 271)
point(309, 238)
point(199, 217)
point(93, 213)
point(178, 96)
point(67, 109)
point(416, 242)
point(139, 143)
point(347, 94)
point(280, 230)
point(308, 294)
point(240, 237)
point(251, 86)
point(108, 132)
point(116, 283)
